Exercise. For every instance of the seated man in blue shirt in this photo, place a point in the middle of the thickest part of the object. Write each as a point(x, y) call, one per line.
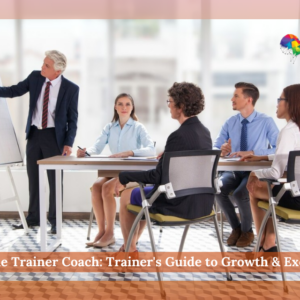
point(248, 132)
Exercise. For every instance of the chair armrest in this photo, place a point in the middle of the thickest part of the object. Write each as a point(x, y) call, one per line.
point(165, 188)
point(293, 188)
point(288, 186)
point(218, 183)
point(270, 181)
point(282, 180)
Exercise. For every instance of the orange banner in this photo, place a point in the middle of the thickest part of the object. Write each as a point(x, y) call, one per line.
point(147, 262)
point(150, 9)
point(149, 290)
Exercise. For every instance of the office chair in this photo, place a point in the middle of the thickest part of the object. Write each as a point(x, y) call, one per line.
point(184, 173)
point(285, 214)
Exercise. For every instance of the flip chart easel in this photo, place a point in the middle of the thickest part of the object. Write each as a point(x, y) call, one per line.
point(10, 154)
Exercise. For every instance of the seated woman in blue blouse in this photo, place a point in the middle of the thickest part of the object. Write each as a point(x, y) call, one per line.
point(125, 137)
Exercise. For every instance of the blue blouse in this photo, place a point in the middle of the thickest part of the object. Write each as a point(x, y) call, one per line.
point(133, 136)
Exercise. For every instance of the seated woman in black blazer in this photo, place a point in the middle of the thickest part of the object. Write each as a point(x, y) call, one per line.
point(185, 102)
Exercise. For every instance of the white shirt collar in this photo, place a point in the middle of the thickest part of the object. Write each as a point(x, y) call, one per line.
point(129, 122)
point(55, 81)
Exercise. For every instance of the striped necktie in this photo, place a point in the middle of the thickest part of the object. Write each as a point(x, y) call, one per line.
point(244, 135)
point(45, 106)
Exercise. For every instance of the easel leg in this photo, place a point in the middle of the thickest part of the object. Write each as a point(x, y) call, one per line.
point(17, 199)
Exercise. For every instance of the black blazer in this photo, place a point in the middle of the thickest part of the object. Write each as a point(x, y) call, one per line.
point(66, 114)
point(191, 135)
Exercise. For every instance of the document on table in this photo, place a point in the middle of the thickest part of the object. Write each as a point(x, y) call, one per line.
point(230, 159)
point(141, 158)
point(97, 156)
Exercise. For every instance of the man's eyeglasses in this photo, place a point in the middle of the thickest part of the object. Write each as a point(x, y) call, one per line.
point(169, 101)
point(279, 99)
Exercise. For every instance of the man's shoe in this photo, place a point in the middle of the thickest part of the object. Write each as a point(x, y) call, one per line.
point(17, 226)
point(245, 239)
point(20, 226)
point(234, 236)
point(53, 229)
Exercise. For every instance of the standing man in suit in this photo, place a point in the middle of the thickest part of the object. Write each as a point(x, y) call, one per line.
point(51, 126)
point(248, 132)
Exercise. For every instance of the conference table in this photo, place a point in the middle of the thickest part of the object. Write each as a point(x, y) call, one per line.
point(106, 167)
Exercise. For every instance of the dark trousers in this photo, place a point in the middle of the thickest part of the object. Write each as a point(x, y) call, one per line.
point(235, 183)
point(41, 144)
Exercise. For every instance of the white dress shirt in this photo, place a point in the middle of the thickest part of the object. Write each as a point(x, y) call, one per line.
point(288, 140)
point(53, 94)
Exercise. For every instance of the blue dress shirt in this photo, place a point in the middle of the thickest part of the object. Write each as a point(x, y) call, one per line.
point(262, 132)
point(132, 137)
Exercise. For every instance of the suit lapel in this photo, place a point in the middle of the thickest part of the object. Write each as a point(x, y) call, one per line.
point(61, 93)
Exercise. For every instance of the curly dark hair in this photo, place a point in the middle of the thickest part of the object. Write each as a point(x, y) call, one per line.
point(187, 96)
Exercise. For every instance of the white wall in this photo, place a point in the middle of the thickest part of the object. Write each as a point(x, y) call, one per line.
point(77, 196)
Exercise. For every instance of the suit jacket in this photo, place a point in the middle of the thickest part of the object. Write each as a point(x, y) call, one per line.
point(66, 114)
point(191, 135)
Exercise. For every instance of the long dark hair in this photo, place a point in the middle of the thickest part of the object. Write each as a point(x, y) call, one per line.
point(292, 96)
point(132, 115)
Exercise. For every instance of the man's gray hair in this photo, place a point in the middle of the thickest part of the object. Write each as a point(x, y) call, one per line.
point(60, 60)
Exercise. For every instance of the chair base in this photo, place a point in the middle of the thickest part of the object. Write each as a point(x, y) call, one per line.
point(162, 220)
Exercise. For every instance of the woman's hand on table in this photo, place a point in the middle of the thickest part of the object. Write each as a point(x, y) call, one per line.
point(81, 152)
point(240, 154)
point(252, 157)
point(122, 154)
point(159, 155)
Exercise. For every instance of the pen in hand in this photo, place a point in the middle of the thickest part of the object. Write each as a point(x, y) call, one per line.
point(226, 148)
point(85, 151)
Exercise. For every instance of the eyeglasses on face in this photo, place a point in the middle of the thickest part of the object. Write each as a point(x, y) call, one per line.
point(279, 99)
point(169, 101)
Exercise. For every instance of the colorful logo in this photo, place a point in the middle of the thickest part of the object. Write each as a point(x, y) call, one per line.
point(290, 45)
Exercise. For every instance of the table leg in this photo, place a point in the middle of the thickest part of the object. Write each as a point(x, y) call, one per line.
point(43, 213)
point(58, 184)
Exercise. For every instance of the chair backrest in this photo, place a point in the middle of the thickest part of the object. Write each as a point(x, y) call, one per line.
point(191, 172)
point(293, 167)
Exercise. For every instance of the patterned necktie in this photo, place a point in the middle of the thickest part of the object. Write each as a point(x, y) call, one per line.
point(244, 135)
point(45, 106)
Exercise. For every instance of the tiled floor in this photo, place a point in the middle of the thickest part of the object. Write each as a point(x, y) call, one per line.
point(200, 238)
